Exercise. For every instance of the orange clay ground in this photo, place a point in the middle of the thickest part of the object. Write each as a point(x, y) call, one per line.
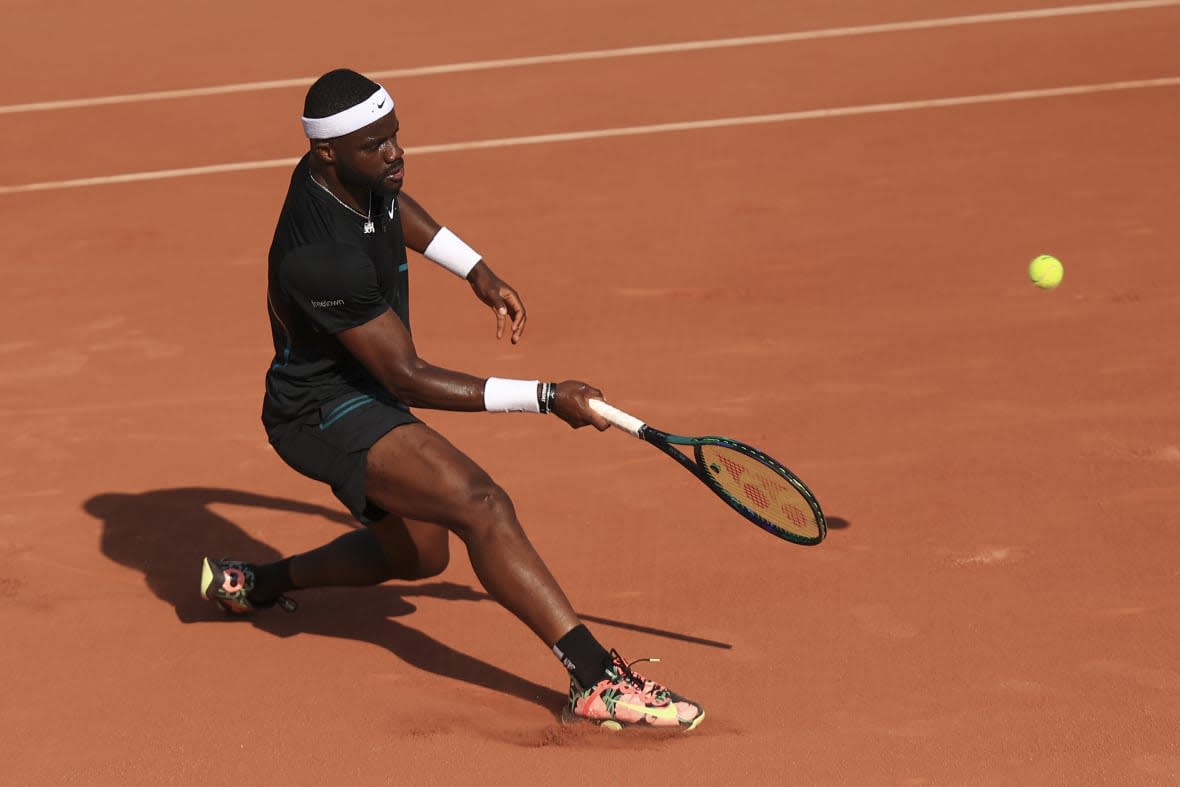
point(996, 602)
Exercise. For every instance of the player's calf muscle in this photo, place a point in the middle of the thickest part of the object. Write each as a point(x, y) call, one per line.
point(412, 550)
point(418, 562)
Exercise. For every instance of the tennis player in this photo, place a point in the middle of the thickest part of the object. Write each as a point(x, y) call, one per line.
point(345, 375)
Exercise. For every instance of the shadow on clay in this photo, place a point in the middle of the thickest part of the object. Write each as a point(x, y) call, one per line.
point(164, 534)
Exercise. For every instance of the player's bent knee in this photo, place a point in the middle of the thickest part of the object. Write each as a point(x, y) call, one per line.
point(486, 506)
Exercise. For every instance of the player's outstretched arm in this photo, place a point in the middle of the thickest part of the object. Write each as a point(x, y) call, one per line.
point(386, 349)
point(427, 237)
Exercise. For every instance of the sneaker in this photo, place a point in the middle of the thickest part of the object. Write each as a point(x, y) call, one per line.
point(625, 698)
point(228, 583)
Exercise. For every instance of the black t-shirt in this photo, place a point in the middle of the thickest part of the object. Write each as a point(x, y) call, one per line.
point(326, 275)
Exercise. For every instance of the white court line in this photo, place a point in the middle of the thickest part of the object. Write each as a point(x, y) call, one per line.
point(659, 128)
point(602, 54)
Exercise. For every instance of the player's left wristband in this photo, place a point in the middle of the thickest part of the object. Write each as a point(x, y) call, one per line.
point(448, 251)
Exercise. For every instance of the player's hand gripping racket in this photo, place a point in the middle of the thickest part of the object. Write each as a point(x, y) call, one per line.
point(755, 485)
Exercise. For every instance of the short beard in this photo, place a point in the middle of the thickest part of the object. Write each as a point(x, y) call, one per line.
point(379, 188)
point(351, 179)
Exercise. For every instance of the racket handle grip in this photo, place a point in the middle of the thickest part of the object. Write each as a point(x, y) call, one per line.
point(616, 417)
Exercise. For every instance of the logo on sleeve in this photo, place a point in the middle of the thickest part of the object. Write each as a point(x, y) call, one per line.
point(327, 304)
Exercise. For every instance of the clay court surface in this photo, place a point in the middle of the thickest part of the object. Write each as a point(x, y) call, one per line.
point(996, 602)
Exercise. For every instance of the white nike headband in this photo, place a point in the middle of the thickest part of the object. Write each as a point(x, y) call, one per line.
point(349, 120)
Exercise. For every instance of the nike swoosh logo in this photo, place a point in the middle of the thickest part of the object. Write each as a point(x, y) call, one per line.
point(381, 104)
point(392, 208)
point(661, 712)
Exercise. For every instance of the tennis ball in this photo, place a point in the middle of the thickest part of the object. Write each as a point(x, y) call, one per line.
point(1046, 271)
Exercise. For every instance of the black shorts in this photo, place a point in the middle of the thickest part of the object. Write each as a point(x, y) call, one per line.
point(332, 444)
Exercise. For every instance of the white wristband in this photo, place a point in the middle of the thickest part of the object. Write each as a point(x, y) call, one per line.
point(451, 253)
point(510, 396)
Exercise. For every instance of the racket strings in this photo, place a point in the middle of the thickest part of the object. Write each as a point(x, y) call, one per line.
point(759, 489)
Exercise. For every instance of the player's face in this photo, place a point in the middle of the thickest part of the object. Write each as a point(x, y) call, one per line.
point(371, 158)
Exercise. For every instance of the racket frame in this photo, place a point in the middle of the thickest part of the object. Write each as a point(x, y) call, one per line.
point(670, 444)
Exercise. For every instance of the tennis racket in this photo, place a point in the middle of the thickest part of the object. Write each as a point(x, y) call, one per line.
point(753, 484)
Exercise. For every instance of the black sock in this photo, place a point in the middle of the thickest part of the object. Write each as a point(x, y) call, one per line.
point(271, 581)
point(582, 656)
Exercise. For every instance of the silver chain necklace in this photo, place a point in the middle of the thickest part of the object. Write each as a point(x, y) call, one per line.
point(369, 227)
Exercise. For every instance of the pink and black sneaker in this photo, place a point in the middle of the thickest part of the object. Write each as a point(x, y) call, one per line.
point(625, 698)
point(228, 583)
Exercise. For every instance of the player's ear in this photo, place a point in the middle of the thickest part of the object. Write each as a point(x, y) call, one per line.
point(322, 149)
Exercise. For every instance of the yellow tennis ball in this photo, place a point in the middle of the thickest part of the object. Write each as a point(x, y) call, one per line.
point(1046, 271)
